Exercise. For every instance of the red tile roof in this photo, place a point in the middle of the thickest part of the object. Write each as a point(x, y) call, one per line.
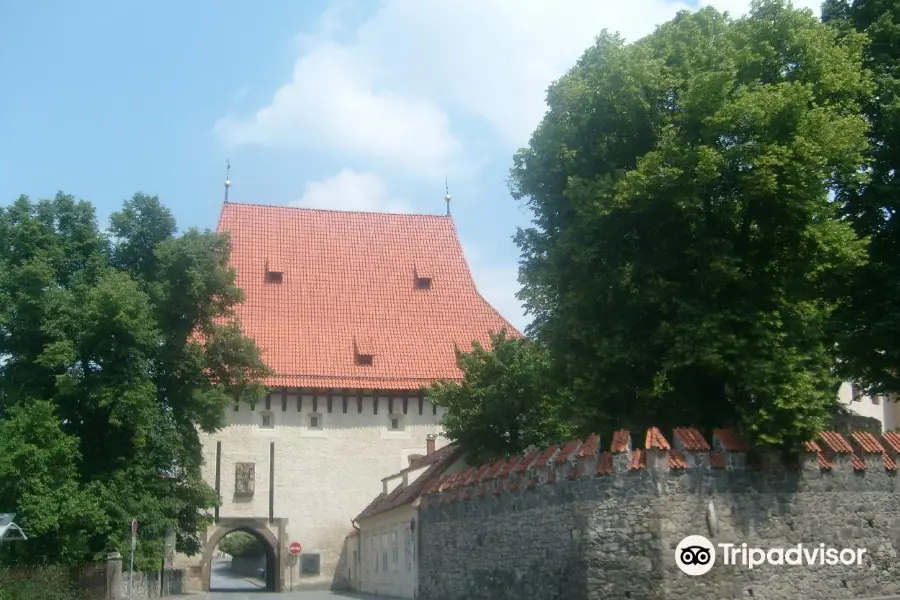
point(691, 439)
point(868, 442)
point(656, 440)
point(436, 463)
point(349, 288)
point(835, 442)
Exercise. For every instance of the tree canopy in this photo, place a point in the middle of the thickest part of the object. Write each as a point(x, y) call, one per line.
point(119, 347)
point(509, 399)
point(870, 318)
point(686, 258)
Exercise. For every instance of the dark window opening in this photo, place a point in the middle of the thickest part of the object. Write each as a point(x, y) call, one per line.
point(364, 360)
point(395, 424)
point(274, 276)
point(423, 283)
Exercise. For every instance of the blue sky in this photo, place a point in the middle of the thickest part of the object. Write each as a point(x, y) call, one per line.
point(365, 105)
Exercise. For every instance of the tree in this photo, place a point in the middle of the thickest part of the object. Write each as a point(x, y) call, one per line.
point(127, 343)
point(685, 258)
point(241, 545)
point(507, 401)
point(870, 318)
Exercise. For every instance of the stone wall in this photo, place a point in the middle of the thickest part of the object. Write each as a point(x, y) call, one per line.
point(570, 523)
point(156, 584)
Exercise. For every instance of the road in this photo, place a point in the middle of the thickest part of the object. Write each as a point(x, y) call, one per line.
point(235, 587)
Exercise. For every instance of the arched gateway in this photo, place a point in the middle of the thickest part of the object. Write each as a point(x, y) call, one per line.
point(270, 534)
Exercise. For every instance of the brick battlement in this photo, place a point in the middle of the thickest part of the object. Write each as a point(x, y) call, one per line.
point(689, 450)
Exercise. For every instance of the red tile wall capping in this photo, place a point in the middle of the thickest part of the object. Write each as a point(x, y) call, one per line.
point(567, 451)
point(716, 460)
point(867, 442)
point(729, 440)
point(348, 280)
point(459, 485)
point(691, 439)
point(605, 464)
point(637, 460)
point(835, 442)
point(892, 440)
point(589, 448)
point(655, 440)
point(545, 456)
point(676, 460)
point(620, 441)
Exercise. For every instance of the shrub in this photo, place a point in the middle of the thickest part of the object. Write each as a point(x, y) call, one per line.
point(240, 545)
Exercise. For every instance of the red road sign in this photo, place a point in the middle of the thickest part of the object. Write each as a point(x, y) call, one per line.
point(295, 548)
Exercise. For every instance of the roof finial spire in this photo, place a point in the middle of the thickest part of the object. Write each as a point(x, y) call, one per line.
point(227, 178)
point(447, 197)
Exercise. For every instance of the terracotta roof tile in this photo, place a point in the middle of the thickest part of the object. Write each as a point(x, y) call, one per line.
point(620, 441)
point(835, 442)
point(401, 496)
point(508, 467)
point(589, 448)
point(495, 469)
point(349, 284)
point(889, 463)
point(868, 442)
point(545, 456)
point(892, 439)
point(656, 440)
point(858, 464)
point(691, 439)
point(717, 460)
point(822, 461)
point(526, 462)
point(637, 460)
point(811, 446)
point(676, 460)
point(461, 478)
point(567, 451)
point(730, 440)
point(480, 474)
point(605, 464)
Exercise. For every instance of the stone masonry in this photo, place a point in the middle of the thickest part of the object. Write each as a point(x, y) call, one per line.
point(571, 523)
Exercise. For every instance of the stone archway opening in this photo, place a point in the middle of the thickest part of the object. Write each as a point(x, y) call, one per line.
point(258, 568)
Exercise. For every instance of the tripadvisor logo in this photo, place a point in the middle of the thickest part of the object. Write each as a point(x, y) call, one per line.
point(695, 555)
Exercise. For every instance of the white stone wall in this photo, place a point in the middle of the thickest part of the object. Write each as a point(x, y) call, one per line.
point(325, 476)
point(388, 540)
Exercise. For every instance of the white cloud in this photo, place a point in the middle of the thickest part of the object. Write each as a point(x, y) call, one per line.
point(351, 190)
point(388, 93)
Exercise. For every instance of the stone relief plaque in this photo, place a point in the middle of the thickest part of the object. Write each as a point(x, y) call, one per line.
point(244, 479)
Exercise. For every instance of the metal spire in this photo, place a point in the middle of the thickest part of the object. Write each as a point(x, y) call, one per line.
point(447, 197)
point(227, 179)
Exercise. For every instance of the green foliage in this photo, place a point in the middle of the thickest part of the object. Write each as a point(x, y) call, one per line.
point(52, 583)
point(241, 545)
point(870, 316)
point(685, 261)
point(119, 348)
point(507, 401)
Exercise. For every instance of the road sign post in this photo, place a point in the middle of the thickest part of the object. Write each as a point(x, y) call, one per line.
point(295, 549)
point(134, 529)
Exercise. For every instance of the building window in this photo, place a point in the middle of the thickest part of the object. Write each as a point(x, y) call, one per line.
point(274, 276)
point(395, 550)
point(855, 393)
point(266, 421)
point(315, 421)
point(408, 547)
point(876, 399)
point(364, 360)
point(396, 423)
point(384, 552)
point(423, 283)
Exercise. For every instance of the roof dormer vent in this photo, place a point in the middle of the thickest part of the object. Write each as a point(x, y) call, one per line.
point(274, 272)
point(364, 352)
point(422, 278)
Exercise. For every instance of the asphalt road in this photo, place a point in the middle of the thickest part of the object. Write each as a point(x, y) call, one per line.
point(228, 586)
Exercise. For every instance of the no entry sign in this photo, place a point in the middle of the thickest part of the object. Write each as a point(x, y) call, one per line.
point(295, 548)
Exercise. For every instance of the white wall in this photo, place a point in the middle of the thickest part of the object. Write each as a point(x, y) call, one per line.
point(325, 477)
point(879, 407)
point(389, 540)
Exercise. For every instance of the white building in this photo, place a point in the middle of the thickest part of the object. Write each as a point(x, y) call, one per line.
point(384, 550)
point(356, 313)
point(882, 408)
